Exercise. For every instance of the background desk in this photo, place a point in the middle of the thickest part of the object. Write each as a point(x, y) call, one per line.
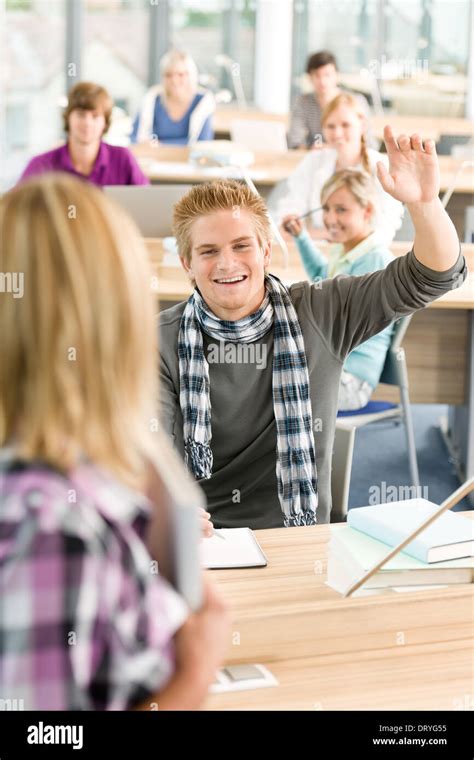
point(169, 165)
point(387, 652)
point(430, 127)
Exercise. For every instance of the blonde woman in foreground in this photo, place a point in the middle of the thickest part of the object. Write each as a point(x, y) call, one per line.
point(77, 393)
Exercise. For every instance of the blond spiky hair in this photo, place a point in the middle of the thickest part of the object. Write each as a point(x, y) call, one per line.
point(221, 195)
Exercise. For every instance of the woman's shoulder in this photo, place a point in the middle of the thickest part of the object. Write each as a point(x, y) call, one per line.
point(203, 96)
point(85, 503)
point(377, 257)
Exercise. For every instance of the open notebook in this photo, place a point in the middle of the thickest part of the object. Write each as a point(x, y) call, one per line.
point(232, 547)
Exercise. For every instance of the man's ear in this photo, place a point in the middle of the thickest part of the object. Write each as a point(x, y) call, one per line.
point(267, 254)
point(187, 268)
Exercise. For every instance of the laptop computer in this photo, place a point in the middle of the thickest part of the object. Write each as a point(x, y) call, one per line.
point(150, 206)
point(259, 134)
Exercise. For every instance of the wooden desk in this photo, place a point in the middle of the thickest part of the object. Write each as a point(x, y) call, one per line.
point(407, 651)
point(169, 165)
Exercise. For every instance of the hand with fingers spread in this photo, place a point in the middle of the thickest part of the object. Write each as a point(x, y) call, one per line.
point(413, 172)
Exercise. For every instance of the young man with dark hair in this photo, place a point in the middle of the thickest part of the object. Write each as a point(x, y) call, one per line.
point(305, 123)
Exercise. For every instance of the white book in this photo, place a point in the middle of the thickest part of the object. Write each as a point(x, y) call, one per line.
point(351, 553)
point(451, 536)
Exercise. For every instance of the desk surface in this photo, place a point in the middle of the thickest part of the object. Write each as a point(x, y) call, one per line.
point(172, 284)
point(169, 164)
point(391, 651)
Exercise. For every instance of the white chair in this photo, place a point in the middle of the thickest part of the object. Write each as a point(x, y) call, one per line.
point(394, 372)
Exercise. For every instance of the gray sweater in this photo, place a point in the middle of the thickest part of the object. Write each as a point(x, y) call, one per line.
point(335, 316)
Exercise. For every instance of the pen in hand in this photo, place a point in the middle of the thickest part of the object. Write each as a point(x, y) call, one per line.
point(303, 216)
point(313, 211)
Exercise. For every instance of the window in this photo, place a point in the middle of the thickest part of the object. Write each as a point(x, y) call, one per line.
point(115, 55)
point(211, 28)
point(17, 126)
point(34, 82)
point(418, 48)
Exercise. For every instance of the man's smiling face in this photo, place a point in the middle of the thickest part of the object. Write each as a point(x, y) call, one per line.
point(228, 263)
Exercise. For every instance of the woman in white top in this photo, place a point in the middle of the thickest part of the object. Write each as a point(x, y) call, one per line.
point(344, 128)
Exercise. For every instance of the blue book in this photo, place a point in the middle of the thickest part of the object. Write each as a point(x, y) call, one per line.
point(451, 536)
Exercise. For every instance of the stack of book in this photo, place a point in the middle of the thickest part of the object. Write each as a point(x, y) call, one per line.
point(441, 555)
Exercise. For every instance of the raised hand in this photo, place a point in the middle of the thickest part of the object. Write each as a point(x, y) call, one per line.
point(413, 172)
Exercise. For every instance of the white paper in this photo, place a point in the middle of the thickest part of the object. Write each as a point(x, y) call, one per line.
point(236, 547)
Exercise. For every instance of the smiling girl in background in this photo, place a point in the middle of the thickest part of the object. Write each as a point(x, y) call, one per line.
point(344, 129)
point(348, 199)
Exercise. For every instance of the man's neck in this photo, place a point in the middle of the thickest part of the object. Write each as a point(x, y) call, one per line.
point(323, 100)
point(83, 155)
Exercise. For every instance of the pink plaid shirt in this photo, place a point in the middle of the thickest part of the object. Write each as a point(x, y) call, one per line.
point(85, 621)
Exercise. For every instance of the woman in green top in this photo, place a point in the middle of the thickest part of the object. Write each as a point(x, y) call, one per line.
point(348, 199)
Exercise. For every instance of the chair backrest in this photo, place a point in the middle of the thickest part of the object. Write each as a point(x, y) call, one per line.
point(446, 143)
point(395, 368)
point(341, 471)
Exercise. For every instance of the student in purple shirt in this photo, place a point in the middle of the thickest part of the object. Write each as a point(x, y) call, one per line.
point(86, 620)
point(86, 119)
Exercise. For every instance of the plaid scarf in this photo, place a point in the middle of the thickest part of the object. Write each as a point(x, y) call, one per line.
point(296, 462)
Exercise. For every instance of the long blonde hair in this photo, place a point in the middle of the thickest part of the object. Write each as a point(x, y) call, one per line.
point(79, 351)
point(346, 99)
